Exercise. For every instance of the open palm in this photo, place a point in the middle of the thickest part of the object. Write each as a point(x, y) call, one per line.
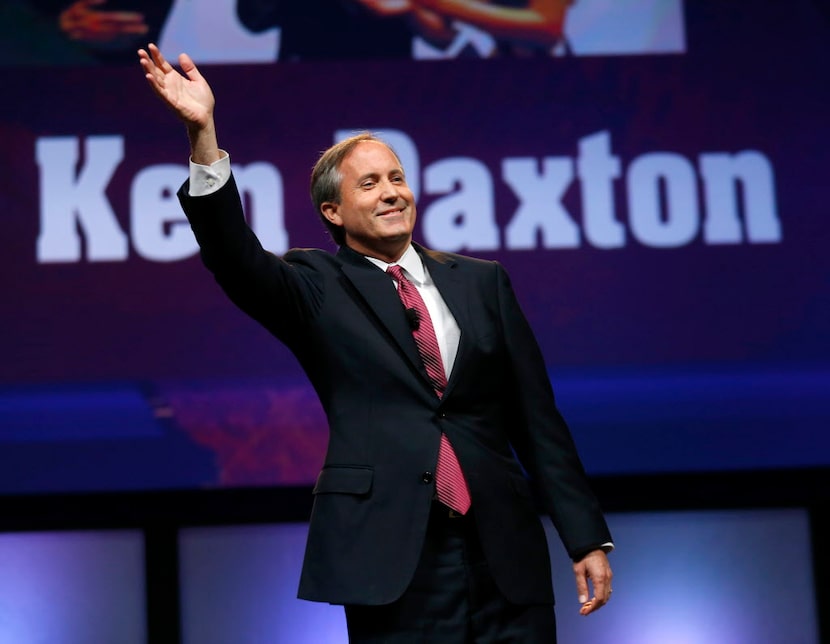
point(188, 95)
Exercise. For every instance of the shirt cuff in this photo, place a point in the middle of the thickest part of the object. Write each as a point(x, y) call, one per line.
point(207, 179)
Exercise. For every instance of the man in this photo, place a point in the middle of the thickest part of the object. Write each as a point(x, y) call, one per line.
point(423, 525)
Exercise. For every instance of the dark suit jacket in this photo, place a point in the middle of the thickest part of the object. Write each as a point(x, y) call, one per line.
point(342, 318)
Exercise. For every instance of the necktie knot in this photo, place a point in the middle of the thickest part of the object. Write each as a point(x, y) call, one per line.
point(396, 272)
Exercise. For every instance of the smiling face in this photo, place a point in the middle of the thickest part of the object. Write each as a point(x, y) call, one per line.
point(376, 208)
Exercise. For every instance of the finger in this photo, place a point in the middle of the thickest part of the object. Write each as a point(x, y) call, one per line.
point(189, 67)
point(158, 59)
point(581, 586)
point(152, 72)
point(592, 605)
point(147, 63)
point(602, 589)
point(596, 602)
point(601, 578)
point(589, 607)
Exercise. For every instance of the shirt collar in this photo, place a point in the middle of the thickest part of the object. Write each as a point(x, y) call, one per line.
point(410, 262)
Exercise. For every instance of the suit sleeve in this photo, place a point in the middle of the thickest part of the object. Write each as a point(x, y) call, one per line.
point(282, 293)
point(542, 439)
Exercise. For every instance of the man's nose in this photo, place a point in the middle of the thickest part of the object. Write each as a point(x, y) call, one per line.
point(389, 191)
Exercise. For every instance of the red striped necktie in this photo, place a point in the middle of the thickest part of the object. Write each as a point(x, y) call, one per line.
point(450, 485)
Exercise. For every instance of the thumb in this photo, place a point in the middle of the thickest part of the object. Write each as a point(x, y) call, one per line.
point(189, 67)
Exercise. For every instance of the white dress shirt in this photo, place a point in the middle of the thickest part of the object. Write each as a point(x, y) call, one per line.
point(446, 328)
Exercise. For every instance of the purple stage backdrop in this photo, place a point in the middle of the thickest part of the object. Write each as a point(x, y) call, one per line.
point(660, 205)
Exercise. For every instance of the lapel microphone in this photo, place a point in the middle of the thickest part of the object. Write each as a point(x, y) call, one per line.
point(412, 318)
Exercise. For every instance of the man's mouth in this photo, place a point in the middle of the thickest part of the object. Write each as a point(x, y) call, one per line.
point(391, 211)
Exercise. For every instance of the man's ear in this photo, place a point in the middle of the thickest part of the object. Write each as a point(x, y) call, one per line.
point(330, 212)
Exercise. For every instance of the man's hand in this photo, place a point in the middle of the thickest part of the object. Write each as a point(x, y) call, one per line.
point(189, 96)
point(594, 567)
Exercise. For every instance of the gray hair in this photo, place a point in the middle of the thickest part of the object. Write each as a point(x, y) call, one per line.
point(326, 178)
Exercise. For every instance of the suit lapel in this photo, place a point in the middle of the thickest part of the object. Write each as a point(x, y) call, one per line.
point(378, 291)
point(444, 272)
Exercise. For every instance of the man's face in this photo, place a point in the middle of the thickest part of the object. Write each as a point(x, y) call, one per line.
point(377, 208)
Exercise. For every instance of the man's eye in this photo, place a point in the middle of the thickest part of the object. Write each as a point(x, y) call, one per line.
point(367, 184)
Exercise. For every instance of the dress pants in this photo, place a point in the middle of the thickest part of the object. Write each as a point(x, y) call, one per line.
point(452, 599)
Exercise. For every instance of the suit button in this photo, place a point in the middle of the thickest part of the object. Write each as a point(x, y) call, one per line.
point(426, 477)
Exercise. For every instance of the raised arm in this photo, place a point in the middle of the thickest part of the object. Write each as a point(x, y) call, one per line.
point(189, 97)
